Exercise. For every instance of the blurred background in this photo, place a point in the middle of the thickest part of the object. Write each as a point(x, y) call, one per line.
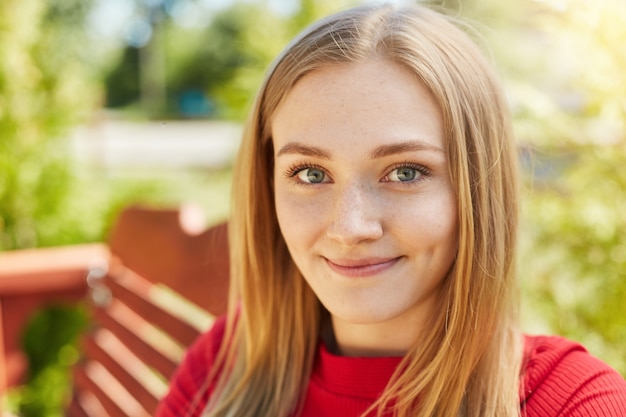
point(107, 103)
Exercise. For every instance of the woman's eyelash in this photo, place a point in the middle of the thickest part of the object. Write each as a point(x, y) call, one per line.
point(418, 167)
point(294, 169)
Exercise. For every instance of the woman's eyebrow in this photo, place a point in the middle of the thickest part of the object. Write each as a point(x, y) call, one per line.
point(401, 147)
point(296, 148)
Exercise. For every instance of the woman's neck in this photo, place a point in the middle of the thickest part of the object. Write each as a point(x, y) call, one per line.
point(372, 339)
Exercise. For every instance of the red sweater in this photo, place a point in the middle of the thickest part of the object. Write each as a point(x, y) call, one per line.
point(559, 378)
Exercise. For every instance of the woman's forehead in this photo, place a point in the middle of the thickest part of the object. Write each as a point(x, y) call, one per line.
point(359, 102)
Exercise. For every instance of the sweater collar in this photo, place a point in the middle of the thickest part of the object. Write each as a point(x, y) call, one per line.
point(345, 375)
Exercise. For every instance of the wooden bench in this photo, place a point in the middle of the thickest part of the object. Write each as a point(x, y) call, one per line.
point(161, 286)
point(30, 279)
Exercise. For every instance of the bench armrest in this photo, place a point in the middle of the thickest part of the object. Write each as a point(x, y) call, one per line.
point(44, 270)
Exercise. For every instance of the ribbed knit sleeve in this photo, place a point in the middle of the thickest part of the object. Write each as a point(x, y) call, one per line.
point(562, 379)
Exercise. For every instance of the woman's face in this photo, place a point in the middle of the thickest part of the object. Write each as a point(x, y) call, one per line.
point(363, 192)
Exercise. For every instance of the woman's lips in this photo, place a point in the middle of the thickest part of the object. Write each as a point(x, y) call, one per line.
point(361, 267)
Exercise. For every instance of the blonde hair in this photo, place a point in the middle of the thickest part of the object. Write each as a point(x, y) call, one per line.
point(468, 363)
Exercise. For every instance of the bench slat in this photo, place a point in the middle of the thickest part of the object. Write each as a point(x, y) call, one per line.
point(126, 367)
point(85, 404)
point(136, 292)
point(116, 401)
point(146, 341)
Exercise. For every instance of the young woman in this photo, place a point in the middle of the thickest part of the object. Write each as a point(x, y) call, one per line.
point(373, 235)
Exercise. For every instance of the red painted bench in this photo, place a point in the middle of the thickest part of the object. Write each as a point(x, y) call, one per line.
point(30, 279)
point(151, 289)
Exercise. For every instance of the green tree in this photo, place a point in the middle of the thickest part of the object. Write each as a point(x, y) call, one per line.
point(44, 89)
point(225, 61)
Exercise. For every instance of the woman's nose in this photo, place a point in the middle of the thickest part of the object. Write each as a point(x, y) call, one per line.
point(356, 216)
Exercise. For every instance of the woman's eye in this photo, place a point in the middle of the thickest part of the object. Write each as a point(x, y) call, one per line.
point(404, 174)
point(311, 175)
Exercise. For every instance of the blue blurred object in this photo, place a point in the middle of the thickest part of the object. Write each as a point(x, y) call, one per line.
point(195, 104)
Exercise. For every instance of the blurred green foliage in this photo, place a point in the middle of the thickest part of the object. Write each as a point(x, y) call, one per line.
point(574, 255)
point(563, 65)
point(44, 89)
point(225, 60)
point(50, 362)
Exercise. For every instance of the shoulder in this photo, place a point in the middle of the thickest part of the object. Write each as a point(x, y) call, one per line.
point(559, 377)
point(188, 387)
